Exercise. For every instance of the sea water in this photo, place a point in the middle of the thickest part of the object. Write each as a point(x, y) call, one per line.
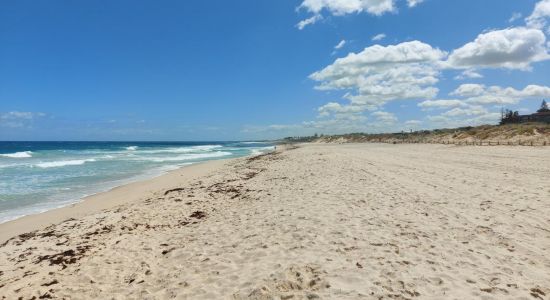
point(39, 176)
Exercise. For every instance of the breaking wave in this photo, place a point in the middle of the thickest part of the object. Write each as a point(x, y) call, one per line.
point(63, 163)
point(188, 156)
point(182, 149)
point(24, 154)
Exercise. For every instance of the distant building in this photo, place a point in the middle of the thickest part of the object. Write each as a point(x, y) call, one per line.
point(542, 116)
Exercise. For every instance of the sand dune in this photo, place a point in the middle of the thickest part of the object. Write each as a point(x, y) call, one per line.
point(365, 221)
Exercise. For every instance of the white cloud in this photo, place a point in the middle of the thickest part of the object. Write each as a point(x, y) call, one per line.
point(340, 45)
point(384, 117)
point(474, 110)
point(380, 74)
point(469, 74)
point(411, 70)
point(442, 121)
point(332, 108)
point(512, 48)
point(15, 119)
point(379, 37)
point(430, 104)
point(302, 24)
point(515, 16)
point(413, 123)
point(538, 19)
point(413, 3)
point(469, 89)
point(479, 94)
point(20, 115)
point(342, 7)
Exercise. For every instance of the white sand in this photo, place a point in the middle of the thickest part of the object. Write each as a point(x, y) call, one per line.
point(323, 221)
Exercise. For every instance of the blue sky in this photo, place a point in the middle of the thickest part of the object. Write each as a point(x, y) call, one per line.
point(228, 70)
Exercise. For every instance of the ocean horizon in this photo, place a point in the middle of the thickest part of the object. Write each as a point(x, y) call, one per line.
point(43, 175)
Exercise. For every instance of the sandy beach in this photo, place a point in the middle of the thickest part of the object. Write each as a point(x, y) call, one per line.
point(321, 221)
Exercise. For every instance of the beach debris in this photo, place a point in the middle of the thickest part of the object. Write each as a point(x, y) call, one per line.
point(198, 215)
point(267, 156)
point(250, 175)
point(29, 273)
point(102, 230)
point(537, 293)
point(166, 251)
point(174, 190)
point(146, 226)
point(20, 239)
point(46, 295)
point(66, 257)
point(51, 283)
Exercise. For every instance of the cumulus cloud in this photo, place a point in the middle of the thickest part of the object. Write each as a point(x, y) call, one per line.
point(538, 19)
point(441, 121)
point(333, 108)
point(479, 94)
point(512, 48)
point(380, 74)
point(379, 37)
point(474, 110)
point(435, 104)
point(371, 78)
point(469, 74)
point(480, 104)
point(302, 24)
point(385, 117)
point(469, 89)
point(342, 7)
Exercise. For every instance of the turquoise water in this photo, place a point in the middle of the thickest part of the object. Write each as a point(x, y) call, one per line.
point(39, 176)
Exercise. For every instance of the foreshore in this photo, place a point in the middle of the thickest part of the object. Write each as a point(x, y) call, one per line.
point(130, 192)
point(352, 221)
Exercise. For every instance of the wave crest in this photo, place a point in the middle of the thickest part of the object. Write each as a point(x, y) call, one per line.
point(63, 163)
point(24, 154)
point(182, 149)
point(188, 156)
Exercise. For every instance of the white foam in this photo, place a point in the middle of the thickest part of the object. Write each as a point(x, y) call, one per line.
point(182, 149)
point(188, 156)
point(132, 148)
point(63, 163)
point(256, 152)
point(24, 154)
point(261, 150)
point(206, 147)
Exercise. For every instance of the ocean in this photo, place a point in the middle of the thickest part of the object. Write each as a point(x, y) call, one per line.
point(40, 176)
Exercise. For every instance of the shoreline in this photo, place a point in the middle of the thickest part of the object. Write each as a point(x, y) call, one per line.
point(118, 195)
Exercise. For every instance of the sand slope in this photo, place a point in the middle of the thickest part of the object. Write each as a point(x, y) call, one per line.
point(323, 221)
